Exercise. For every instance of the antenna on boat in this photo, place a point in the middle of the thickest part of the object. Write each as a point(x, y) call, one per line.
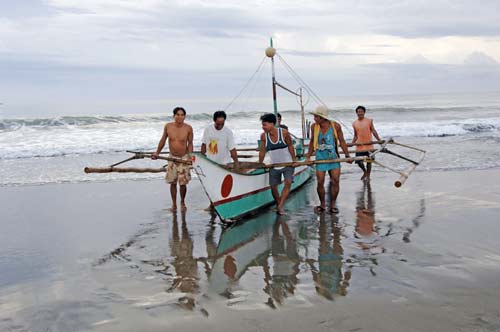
point(270, 53)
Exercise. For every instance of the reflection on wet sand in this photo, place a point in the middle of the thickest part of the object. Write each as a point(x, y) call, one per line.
point(327, 270)
point(185, 265)
point(271, 246)
point(269, 260)
point(365, 218)
point(241, 247)
point(281, 275)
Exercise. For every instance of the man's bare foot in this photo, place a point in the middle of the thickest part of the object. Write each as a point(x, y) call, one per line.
point(281, 212)
point(183, 207)
point(173, 209)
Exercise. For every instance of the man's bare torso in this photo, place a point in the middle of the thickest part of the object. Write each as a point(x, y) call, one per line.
point(178, 138)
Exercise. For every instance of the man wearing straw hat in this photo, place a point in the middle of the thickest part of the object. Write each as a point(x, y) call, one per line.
point(326, 137)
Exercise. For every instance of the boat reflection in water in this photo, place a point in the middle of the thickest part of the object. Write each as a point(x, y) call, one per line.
point(279, 251)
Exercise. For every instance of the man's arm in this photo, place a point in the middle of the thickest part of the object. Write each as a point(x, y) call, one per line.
point(190, 141)
point(234, 155)
point(161, 144)
point(355, 138)
point(288, 141)
point(204, 142)
point(262, 151)
point(342, 142)
point(232, 147)
point(311, 144)
point(374, 132)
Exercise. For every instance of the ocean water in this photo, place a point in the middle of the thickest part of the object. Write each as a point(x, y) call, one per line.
point(456, 134)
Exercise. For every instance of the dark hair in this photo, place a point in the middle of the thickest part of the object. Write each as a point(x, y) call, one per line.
point(268, 117)
point(220, 114)
point(279, 116)
point(177, 109)
point(360, 108)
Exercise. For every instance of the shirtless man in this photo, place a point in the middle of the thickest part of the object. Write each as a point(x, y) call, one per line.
point(180, 145)
point(363, 131)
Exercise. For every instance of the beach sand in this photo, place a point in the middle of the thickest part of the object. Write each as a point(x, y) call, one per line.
point(110, 257)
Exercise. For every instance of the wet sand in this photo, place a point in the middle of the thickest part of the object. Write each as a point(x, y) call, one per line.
point(110, 257)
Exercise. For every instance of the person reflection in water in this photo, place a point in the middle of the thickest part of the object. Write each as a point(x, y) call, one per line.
point(185, 265)
point(211, 244)
point(328, 277)
point(365, 217)
point(282, 281)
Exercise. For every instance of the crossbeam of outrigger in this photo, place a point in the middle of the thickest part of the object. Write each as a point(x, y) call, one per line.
point(254, 165)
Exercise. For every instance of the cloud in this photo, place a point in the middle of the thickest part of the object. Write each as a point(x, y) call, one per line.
point(417, 59)
point(116, 50)
point(480, 59)
point(315, 54)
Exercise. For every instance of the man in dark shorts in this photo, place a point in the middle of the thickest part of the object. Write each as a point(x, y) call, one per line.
point(278, 143)
point(363, 131)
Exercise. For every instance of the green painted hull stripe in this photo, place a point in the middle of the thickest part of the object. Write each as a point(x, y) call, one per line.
point(247, 204)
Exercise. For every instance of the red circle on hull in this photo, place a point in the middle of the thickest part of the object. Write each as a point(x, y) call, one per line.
point(227, 186)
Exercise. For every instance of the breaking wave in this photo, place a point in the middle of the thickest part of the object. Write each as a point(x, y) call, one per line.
point(60, 136)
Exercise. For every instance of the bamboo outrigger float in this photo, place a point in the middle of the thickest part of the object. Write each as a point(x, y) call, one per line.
point(237, 192)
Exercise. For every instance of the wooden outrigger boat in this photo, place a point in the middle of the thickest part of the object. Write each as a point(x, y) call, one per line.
point(238, 192)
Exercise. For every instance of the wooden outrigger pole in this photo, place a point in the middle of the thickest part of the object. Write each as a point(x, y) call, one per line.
point(406, 174)
point(254, 165)
point(137, 155)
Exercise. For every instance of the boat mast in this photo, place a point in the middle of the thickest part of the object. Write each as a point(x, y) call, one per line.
point(302, 115)
point(270, 52)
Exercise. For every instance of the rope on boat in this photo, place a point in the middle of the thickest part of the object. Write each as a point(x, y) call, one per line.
point(246, 84)
point(308, 88)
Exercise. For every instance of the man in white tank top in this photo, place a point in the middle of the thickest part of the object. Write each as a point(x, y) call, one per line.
point(278, 142)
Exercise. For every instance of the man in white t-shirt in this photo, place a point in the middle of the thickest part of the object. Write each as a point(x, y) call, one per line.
point(218, 141)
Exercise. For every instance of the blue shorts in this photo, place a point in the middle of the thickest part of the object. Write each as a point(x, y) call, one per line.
point(325, 155)
point(275, 175)
point(327, 167)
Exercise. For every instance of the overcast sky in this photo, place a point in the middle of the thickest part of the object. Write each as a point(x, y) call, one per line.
point(132, 56)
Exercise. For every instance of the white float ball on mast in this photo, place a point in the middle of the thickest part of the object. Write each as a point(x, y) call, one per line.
point(270, 52)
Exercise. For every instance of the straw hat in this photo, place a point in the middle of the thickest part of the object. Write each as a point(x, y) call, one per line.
point(322, 111)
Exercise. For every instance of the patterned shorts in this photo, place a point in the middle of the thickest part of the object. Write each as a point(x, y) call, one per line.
point(178, 172)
